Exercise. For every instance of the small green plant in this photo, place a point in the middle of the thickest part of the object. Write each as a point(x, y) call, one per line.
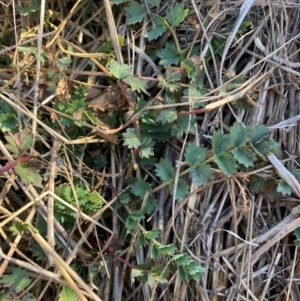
point(17, 283)
point(26, 167)
point(89, 202)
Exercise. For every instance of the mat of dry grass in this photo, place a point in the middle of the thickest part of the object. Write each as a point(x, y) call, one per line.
point(113, 184)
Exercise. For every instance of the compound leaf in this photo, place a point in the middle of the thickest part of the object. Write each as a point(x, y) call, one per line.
point(226, 164)
point(176, 14)
point(195, 154)
point(164, 170)
point(201, 174)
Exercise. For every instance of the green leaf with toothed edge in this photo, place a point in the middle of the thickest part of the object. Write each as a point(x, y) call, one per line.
point(220, 142)
point(168, 55)
point(244, 156)
point(226, 163)
point(284, 188)
point(159, 28)
point(176, 14)
point(201, 174)
point(135, 12)
point(164, 170)
point(239, 134)
point(131, 138)
point(195, 154)
point(182, 189)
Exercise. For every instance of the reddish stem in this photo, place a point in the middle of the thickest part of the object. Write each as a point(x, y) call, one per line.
point(13, 164)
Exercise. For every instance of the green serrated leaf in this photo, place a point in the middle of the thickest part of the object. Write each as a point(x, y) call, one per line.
point(131, 138)
point(12, 145)
point(168, 55)
point(8, 118)
point(176, 14)
point(159, 28)
point(181, 259)
point(17, 228)
point(182, 274)
point(137, 215)
point(17, 281)
point(239, 135)
point(259, 133)
point(182, 189)
point(194, 270)
point(26, 142)
point(141, 240)
point(146, 149)
point(28, 175)
point(284, 188)
point(167, 249)
point(67, 294)
point(160, 273)
point(256, 184)
point(133, 218)
point(154, 252)
point(194, 154)
point(124, 198)
point(139, 188)
point(244, 156)
point(167, 116)
point(135, 273)
point(153, 234)
point(135, 12)
point(119, 71)
point(262, 147)
point(201, 174)
point(164, 170)
point(220, 142)
point(150, 205)
point(226, 164)
point(137, 84)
